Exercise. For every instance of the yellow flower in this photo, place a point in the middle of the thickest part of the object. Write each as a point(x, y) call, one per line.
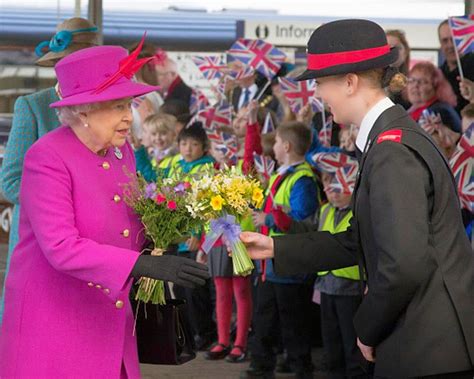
point(217, 202)
point(257, 196)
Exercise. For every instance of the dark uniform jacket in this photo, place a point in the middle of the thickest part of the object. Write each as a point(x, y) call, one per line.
point(179, 90)
point(408, 235)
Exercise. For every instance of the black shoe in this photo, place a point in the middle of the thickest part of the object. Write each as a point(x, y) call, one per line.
point(254, 373)
point(202, 343)
point(216, 355)
point(237, 358)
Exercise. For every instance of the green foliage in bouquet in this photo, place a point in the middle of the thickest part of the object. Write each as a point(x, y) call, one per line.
point(166, 219)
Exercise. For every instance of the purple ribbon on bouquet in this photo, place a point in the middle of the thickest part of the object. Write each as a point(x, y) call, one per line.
point(225, 227)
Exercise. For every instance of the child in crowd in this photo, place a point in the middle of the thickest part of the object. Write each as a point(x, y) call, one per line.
point(339, 290)
point(227, 285)
point(193, 149)
point(159, 149)
point(282, 302)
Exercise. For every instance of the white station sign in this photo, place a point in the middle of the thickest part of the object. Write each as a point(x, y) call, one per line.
point(420, 35)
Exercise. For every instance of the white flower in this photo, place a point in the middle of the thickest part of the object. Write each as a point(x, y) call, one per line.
point(191, 211)
point(205, 182)
point(215, 187)
point(227, 181)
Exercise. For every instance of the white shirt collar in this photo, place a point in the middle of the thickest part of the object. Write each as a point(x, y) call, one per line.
point(284, 168)
point(369, 121)
point(252, 92)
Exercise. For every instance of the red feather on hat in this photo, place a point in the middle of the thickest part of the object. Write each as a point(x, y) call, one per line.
point(127, 67)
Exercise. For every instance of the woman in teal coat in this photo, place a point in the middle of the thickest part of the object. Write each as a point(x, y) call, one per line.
point(33, 118)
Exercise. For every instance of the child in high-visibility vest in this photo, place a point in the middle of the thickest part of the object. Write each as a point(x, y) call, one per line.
point(158, 148)
point(339, 291)
point(193, 147)
point(282, 302)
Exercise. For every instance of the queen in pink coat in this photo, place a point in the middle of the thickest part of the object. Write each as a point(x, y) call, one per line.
point(67, 313)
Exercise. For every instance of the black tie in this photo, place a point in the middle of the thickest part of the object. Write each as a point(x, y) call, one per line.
point(246, 97)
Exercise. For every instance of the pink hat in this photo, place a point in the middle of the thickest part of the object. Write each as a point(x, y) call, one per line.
point(98, 74)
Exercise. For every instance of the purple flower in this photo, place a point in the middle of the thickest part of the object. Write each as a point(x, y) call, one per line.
point(166, 190)
point(180, 188)
point(150, 190)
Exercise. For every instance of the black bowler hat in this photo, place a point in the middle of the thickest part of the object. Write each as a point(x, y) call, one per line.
point(345, 46)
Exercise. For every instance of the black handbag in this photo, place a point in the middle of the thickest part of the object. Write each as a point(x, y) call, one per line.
point(163, 337)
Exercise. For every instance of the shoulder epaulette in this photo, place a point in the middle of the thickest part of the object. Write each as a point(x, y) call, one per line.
point(394, 135)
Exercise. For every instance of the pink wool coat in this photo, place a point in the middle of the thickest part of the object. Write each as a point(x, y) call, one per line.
point(67, 313)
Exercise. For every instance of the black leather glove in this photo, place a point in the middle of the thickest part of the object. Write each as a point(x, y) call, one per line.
point(181, 271)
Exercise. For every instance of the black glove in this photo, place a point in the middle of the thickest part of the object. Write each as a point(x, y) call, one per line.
point(181, 271)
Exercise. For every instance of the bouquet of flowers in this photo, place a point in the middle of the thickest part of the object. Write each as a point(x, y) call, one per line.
point(162, 208)
point(223, 199)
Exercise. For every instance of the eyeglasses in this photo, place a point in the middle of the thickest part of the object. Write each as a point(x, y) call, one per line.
point(414, 81)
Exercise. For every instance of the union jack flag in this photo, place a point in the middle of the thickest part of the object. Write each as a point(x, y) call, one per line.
point(299, 94)
point(211, 66)
point(198, 101)
point(220, 88)
point(344, 179)
point(245, 72)
point(268, 125)
point(227, 144)
point(213, 119)
point(325, 134)
point(264, 165)
point(216, 116)
point(316, 104)
point(262, 56)
point(462, 165)
point(462, 28)
point(330, 162)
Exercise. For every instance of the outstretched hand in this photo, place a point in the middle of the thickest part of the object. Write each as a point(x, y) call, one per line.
point(258, 245)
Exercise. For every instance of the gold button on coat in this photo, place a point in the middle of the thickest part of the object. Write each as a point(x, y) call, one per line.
point(98, 286)
point(119, 304)
point(106, 290)
point(117, 198)
point(106, 165)
point(90, 284)
point(126, 233)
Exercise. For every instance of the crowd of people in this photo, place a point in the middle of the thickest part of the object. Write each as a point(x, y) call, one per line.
point(276, 320)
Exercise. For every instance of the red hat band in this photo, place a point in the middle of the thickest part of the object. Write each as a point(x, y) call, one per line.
point(322, 61)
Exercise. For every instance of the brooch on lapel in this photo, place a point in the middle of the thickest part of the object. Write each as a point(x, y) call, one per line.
point(118, 153)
